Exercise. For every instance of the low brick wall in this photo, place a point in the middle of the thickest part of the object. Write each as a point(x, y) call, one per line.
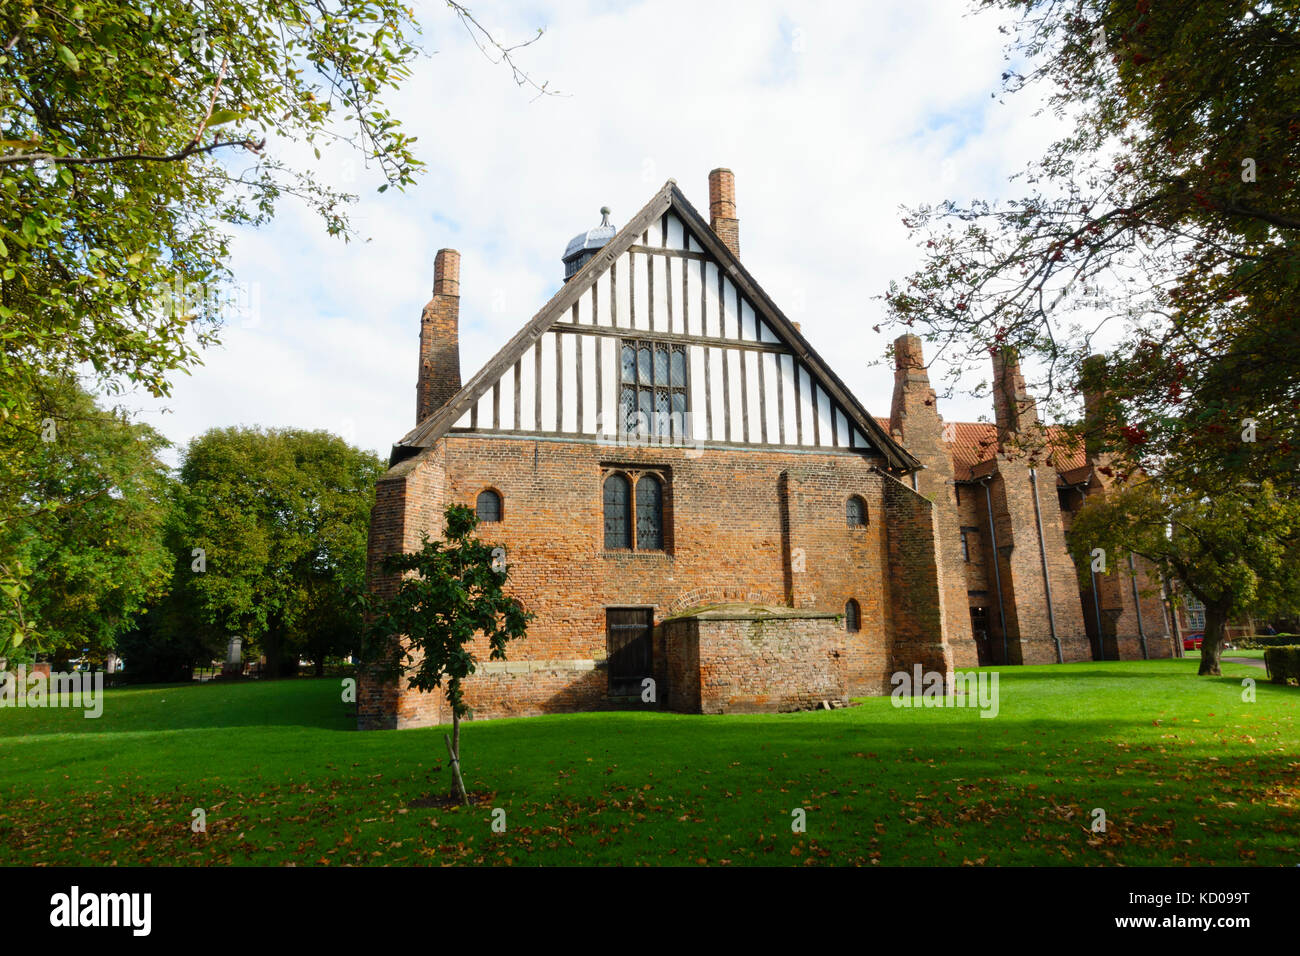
point(753, 659)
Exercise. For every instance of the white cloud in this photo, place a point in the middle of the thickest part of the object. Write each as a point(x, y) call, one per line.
point(830, 121)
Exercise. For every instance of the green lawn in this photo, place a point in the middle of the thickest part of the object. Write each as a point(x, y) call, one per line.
point(1253, 653)
point(1185, 771)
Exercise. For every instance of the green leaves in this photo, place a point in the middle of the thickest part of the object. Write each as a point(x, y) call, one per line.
point(92, 243)
point(455, 593)
point(1164, 225)
point(221, 117)
point(282, 517)
point(68, 58)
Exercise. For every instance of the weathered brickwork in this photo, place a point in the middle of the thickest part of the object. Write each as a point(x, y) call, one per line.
point(1014, 495)
point(916, 582)
point(744, 659)
point(915, 421)
point(722, 208)
point(1040, 590)
point(439, 374)
point(754, 525)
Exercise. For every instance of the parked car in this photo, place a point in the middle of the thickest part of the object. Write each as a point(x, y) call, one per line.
point(1192, 642)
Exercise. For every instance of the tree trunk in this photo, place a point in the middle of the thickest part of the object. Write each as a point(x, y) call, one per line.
point(1216, 616)
point(271, 651)
point(458, 791)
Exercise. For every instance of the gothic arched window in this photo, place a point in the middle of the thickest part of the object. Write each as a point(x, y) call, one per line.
point(852, 617)
point(618, 518)
point(488, 506)
point(649, 514)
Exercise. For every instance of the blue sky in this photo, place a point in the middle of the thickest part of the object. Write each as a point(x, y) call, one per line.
point(831, 118)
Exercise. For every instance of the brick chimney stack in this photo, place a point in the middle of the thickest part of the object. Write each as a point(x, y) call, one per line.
point(439, 377)
point(1094, 405)
point(1014, 409)
point(722, 208)
point(912, 393)
point(915, 421)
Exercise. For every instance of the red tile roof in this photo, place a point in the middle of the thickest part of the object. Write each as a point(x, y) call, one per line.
point(977, 442)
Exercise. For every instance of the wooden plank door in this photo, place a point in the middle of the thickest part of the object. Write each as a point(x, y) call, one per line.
point(627, 637)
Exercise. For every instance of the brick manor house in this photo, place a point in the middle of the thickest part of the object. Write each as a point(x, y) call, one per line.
point(699, 511)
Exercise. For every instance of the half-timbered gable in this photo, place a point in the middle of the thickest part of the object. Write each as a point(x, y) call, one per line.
point(662, 337)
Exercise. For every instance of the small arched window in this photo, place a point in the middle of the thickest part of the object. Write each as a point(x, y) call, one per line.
point(852, 617)
point(488, 506)
point(649, 514)
point(856, 512)
point(618, 518)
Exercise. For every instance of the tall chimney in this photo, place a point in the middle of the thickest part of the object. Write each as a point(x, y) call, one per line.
point(439, 377)
point(722, 209)
point(913, 395)
point(1013, 408)
point(1098, 411)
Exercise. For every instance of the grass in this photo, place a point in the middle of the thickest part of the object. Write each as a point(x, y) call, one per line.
point(1252, 653)
point(1185, 770)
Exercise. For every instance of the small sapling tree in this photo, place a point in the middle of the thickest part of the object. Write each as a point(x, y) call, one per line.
point(452, 591)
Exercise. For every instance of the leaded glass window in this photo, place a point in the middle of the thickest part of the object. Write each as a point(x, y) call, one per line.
point(653, 399)
point(649, 514)
point(852, 617)
point(856, 512)
point(618, 508)
point(488, 506)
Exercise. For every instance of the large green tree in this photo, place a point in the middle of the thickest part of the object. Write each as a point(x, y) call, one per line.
point(90, 506)
point(134, 135)
point(270, 541)
point(1239, 552)
point(1164, 225)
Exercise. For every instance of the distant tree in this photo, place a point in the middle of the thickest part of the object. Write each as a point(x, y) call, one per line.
point(157, 651)
point(270, 540)
point(87, 500)
point(1165, 225)
point(452, 592)
point(1237, 552)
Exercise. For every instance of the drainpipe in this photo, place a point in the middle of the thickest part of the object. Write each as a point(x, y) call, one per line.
point(997, 573)
point(1096, 613)
point(1047, 581)
point(1137, 605)
point(1096, 605)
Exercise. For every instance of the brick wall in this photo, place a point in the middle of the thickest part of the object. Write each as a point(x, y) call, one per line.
point(751, 524)
point(917, 589)
point(1037, 606)
point(740, 660)
point(914, 419)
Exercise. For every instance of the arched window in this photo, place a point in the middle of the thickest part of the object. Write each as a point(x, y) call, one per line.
point(649, 514)
point(856, 512)
point(488, 506)
point(618, 517)
point(852, 617)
